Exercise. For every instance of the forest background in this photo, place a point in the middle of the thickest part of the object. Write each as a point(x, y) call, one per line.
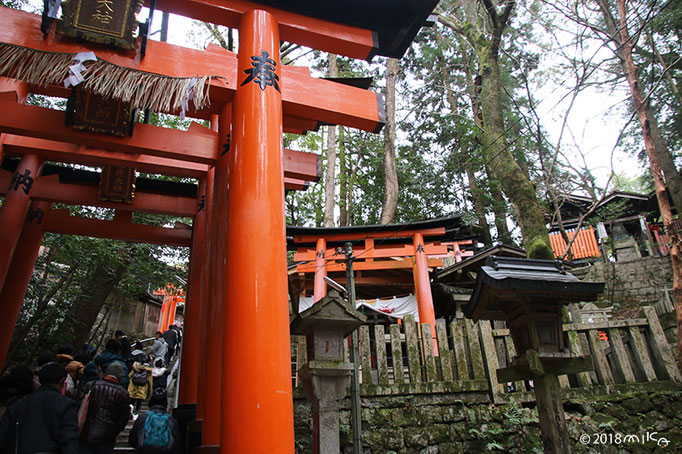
point(500, 111)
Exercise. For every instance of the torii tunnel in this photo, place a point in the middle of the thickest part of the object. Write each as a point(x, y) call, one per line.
point(235, 370)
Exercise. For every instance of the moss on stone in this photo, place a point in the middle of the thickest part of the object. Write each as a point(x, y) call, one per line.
point(639, 404)
point(444, 423)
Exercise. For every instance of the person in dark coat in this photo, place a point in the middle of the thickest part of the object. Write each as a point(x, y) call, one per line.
point(158, 404)
point(108, 413)
point(15, 385)
point(86, 356)
point(171, 337)
point(125, 343)
point(44, 421)
point(178, 331)
point(112, 353)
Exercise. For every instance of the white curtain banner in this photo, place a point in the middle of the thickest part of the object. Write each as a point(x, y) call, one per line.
point(396, 307)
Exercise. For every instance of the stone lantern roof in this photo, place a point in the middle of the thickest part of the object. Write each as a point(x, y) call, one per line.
point(505, 282)
point(332, 311)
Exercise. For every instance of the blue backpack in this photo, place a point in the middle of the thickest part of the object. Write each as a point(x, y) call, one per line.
point(158, 430)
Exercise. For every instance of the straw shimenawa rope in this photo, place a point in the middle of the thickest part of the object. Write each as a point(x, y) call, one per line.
point(144, 90)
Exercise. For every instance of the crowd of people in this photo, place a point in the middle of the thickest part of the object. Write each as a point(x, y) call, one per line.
point(79, 401)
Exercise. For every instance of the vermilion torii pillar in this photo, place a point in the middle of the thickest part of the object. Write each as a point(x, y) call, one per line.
point(19, 275)
point(171, 312)
point(205, 287)
point(163, 316)
point(257, 402)
point(320, 288)
point(423, 287)
point(192, 329)
point(212, 377)
point(13, 213)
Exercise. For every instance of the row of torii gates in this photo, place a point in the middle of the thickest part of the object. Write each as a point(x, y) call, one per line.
point(239, 387)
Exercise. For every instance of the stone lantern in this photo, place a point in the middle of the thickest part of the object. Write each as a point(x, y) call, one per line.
point(529, 295)
point(326, 375)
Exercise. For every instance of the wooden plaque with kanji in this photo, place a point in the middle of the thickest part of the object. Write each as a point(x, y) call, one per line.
point(110, 22)
point(117, 184)
point(95, 113)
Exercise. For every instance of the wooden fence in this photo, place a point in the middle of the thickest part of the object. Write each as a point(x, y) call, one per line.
point(585, 245)
point(661, 239)
point(400, 360)
point(665, 304)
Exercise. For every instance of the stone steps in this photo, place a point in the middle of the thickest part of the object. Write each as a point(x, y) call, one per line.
point(122, 439)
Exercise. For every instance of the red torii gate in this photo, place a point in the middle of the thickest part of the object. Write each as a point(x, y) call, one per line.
point(244, 297)
point(171, 296)
point(383, 251)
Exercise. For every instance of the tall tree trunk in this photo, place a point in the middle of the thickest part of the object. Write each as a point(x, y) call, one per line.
point(483, 30)
point(513, 180)
point(670, 174)
point(344, 180)
point(99, 284)
point(390, 173)
point(499, 207)
point(479, 206)
point(659, 185)
point(330, 175)
point(353, 165)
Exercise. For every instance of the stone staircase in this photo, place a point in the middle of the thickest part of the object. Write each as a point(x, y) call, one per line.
point(122, 439)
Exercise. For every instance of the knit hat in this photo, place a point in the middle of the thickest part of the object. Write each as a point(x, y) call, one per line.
point(115, 369)
point(51, 374)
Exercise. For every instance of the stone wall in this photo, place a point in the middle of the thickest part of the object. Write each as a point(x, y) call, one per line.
point(641, 280)
point(445, 423)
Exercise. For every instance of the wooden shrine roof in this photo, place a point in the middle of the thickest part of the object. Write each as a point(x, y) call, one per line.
point(354, 28)
point(394, 23)
point(447, 228)
point(628, 203)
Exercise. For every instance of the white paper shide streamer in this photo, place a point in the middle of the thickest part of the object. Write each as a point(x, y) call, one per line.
point(76, 71)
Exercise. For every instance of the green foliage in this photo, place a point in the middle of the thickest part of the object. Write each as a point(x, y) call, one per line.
point(15, 4)
point(143, 266)
point(476, 432)
point(512, 416)
point(611, 211)
point(46, 101)
point(642, 184)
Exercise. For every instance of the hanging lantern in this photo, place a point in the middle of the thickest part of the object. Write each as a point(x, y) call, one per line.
point(110, 22)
